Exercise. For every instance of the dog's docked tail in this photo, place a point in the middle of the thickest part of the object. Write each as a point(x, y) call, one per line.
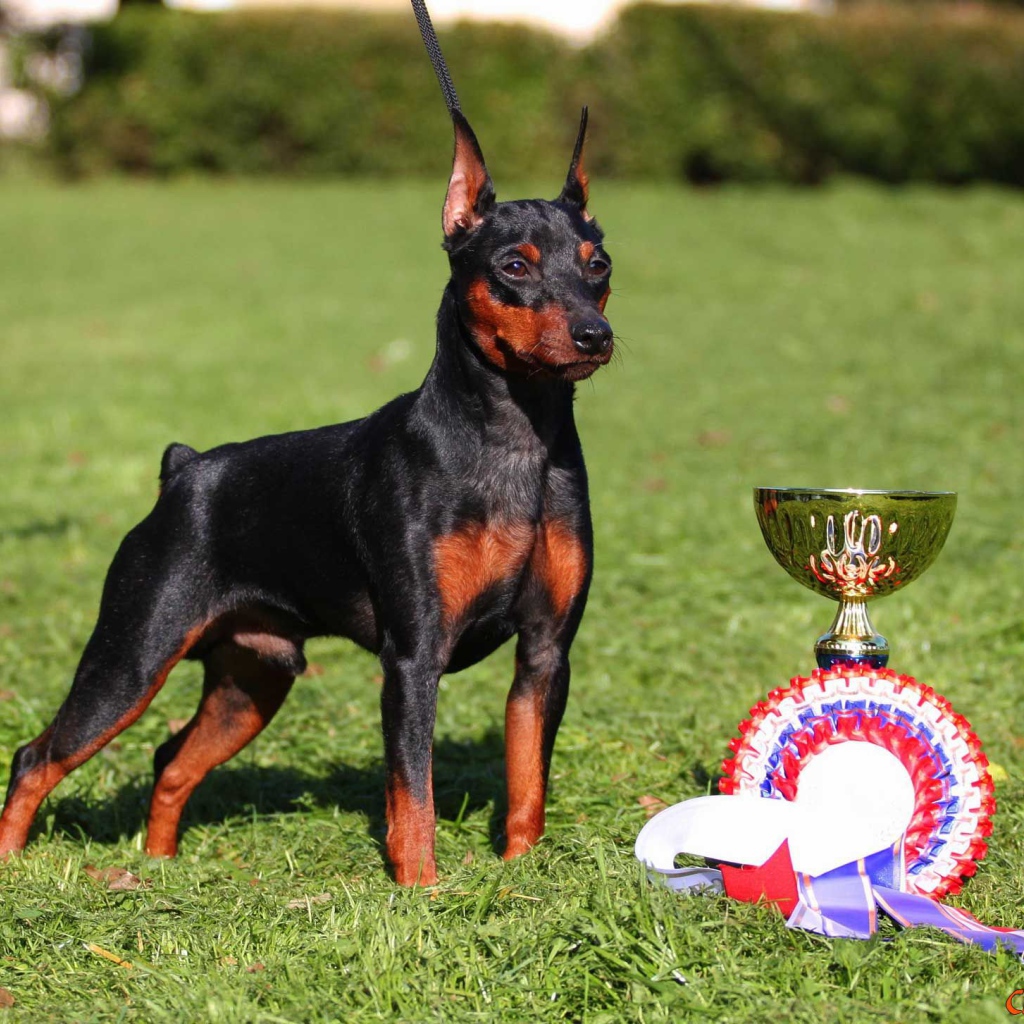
point(175, 456)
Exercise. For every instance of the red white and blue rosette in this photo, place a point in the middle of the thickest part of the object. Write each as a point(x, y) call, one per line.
point(949, 792)
point(853, 794)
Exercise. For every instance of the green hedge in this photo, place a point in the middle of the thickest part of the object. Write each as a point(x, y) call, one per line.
point(307, 92)
point(933, 94)
point(705, 93)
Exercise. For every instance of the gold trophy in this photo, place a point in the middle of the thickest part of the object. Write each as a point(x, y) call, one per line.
point(853, 546)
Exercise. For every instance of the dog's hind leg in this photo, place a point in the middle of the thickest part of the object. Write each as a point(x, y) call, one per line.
point(148, 621)
point(241, 694)
point(110, 691)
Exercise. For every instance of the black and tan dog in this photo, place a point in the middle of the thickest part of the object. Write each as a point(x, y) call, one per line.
point(429, 532)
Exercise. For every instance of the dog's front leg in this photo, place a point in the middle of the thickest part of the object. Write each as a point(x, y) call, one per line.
point(550, 610)
point(533, 713)
point(408, 710)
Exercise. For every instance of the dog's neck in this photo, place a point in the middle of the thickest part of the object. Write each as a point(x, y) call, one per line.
point(465, 389)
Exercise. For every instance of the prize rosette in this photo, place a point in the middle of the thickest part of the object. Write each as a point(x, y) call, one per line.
point(798, 741)
point(857, 793)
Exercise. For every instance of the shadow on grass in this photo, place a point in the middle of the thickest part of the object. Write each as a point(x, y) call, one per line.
point(469, 776)
point(706, 780)
point(40, 528)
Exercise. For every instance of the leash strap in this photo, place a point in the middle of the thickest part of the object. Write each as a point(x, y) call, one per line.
point(444, 79)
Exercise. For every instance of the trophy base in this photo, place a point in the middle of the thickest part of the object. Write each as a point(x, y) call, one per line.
point(826, 660)
point(832, 650)
point(852, 639)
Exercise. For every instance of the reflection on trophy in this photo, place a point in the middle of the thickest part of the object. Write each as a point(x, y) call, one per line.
point(853, 546)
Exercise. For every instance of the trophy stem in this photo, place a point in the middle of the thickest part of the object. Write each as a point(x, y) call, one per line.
point(852, 638)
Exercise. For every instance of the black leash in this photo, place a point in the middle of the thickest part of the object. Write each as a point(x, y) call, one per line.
point(444, 79)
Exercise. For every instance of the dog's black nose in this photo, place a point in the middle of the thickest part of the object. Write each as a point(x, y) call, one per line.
point(592, 337)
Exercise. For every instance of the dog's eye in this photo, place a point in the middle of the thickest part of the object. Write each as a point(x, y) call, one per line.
point(598, 267)
point(515, 268)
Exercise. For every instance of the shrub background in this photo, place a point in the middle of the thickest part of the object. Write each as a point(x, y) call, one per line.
point(928, 93)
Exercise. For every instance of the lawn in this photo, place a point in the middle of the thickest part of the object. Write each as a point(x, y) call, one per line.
point(842, 337)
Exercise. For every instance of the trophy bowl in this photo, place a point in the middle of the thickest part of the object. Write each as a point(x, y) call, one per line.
point(853, 546)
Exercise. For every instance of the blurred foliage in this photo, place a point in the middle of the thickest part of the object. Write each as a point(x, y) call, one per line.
point(931, 94)
point(926, 93)
point(307, 92)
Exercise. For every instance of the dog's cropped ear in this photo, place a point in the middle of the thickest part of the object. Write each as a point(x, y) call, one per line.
point(576, 189)
point(470, 190)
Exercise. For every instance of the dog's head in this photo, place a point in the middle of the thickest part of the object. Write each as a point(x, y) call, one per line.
point(531, 276)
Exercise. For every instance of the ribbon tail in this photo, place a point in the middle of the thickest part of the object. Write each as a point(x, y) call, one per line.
point(706, 880)
point(913, 911)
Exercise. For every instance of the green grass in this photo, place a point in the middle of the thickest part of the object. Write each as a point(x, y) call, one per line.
point(848, 337)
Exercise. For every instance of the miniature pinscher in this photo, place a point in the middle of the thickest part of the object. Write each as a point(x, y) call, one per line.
point(429, 533)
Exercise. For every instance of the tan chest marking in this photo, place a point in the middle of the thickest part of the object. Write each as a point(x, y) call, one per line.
point(478, 556)
point(560, 562)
